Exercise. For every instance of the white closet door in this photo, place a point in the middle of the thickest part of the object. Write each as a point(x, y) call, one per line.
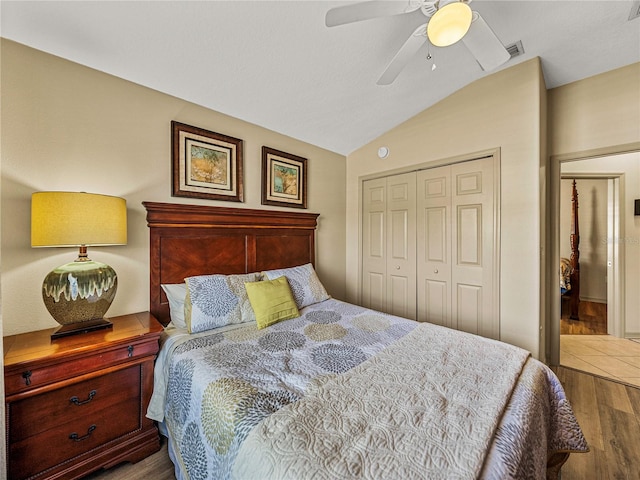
point(456, 241)
point(389, 245)
point(428, 246)
point(401, 245)
point(434, 245)
point(473, 240)
point(374, 244)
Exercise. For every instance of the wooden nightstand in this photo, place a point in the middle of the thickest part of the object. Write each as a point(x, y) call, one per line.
point(78, 403)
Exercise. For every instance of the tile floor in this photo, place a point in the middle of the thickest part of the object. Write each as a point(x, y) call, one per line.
point(604, 355)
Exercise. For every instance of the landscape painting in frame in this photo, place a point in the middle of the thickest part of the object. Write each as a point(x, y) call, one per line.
point(206, 164)
point(284, 179)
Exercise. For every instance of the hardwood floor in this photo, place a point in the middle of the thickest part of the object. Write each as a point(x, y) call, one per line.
point(608, 412)
point(593, 319)
point(609, 415)
point(157, 467)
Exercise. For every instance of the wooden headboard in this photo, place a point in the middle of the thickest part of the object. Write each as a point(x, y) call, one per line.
point(188, 240)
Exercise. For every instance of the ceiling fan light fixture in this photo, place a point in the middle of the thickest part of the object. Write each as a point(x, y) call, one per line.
point(449, 24)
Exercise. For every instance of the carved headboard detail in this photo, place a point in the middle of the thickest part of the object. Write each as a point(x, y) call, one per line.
point(188, 240)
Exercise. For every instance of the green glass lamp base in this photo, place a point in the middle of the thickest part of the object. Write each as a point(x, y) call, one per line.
point(78, 294)
point(80, 327)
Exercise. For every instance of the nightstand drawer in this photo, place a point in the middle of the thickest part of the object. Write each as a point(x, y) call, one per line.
point(30, 378)
point(40, 413)
point(37, 453)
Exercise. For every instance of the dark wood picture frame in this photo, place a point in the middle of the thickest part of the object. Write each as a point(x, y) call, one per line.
point(284, 179)
point(206, 164)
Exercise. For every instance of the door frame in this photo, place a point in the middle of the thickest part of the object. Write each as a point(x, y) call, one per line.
point(552, 323)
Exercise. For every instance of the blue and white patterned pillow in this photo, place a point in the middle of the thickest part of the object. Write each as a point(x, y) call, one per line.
point(304, 282)
point(214, 301)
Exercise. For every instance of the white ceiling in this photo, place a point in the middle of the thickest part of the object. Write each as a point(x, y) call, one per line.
point(275, 64)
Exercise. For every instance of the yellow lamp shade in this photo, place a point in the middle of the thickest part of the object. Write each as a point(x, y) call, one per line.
point(78, 294)
point(449, 24)
point(71, 219)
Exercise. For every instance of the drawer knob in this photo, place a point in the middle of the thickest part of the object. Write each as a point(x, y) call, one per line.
point(74, 436)
point(76, 401)
point(27, 377)
point(130, 350)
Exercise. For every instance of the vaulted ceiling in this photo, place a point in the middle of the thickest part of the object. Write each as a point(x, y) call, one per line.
point(276, 64)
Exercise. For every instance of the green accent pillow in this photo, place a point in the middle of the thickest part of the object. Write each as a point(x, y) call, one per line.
point(272, 301)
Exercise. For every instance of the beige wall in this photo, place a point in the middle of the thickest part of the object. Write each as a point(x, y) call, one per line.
point(68, 127)
point(595, 113)
point(505, 111)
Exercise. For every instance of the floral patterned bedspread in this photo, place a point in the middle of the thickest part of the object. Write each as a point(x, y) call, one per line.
point(222, 384)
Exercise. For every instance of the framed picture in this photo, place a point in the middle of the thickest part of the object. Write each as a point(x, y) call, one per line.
point(206, 164)
point(284, 179)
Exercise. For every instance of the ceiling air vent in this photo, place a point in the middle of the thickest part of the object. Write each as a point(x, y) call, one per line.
point(515, 49)
point(635, 11)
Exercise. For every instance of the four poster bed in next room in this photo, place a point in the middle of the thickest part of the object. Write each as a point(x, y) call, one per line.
point(570, 267)
point(333, 390)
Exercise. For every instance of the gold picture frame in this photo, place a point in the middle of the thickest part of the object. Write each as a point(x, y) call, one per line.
point(206, 164)
point(284, 179)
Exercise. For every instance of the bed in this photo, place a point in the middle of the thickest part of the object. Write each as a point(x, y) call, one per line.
point(570, 267)
point(338, 391)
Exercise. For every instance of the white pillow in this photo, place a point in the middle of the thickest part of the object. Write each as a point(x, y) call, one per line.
point(214, 301)
point(304, 282)
point(176, 293)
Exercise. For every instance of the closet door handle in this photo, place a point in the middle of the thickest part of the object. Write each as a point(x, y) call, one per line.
point(435, 271)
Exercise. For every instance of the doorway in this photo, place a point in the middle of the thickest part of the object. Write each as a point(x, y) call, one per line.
point(596, 210)
point(612, 355)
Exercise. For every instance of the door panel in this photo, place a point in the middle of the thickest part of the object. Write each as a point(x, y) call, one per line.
point(469, 308)
point(399, 235)
point(473, 230)
point(469, 240)
point(374, 244)
point(376, 235)
point(401, 241)
point(436, 240)
point(400, 303)
point(433, 225)
point(375, 293)
point(388, 250)
point(436, 302)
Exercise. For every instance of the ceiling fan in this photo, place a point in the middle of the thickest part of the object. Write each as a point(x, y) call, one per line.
point(449, 21)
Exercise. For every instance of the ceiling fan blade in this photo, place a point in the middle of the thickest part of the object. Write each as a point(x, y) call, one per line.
point(484, 45)
point(357, 12)
point(406, 53)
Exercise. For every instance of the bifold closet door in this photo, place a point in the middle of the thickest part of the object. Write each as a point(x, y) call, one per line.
point(456, 241)
point(389, 245)
point(374, 244)
point(434, 245)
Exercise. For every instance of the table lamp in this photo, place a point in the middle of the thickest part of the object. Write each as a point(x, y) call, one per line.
point(78, 294)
